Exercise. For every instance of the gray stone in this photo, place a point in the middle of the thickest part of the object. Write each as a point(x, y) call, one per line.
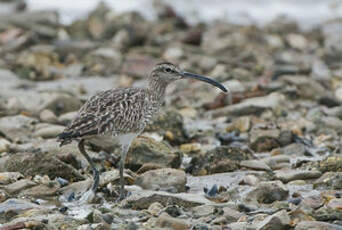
point(255, 164)
point(287, 175)
point(17, 128)
point(16, 205)
point(146, 150)
point(329, 180)
point(267, 192)
point(31, 164)
point(166, 179)
point(48, 130)
point(296, 149)
point(4, 145)
point(278, 221)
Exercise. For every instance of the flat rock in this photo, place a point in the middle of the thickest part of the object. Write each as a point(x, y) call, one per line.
point(286, 175)
point(251, 106)
point(166, 179)
point(255, 164)
point(40, 163)
point(18, 186)
point(278, 221)
point(143, 199)
point(9, 177)
point(17, 128)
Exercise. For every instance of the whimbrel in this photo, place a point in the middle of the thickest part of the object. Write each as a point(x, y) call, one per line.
point(117, 116)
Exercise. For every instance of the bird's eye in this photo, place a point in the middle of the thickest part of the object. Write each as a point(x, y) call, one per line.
point(168, 70)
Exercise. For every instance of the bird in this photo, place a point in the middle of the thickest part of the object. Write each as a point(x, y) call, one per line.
point(117, 116)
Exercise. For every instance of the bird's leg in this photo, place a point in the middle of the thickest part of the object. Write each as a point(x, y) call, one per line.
point(125, 149)
point(96, 176)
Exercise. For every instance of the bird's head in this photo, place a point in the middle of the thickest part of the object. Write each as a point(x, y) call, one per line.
point(167, 72)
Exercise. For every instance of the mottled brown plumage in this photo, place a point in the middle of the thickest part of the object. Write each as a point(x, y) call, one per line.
point(119, 115)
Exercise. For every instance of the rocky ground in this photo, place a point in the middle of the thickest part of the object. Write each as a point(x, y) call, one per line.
point(270, 159)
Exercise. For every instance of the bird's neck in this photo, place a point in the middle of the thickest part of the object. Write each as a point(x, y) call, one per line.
point(157, 88)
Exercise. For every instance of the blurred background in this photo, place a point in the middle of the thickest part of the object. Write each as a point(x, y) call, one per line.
point(270, 150)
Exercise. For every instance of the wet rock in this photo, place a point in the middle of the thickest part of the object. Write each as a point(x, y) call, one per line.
point(143, 199)
point(279, 220)
point(9, 177)
point(316, 225)
point(17, 186)
point(287, 175)
point(166, 221)
point(146, 150)
point(250, 106)
point(329, 180)
point(17, 128)
point(166, 179)
point(267, 192)
point(31, 164)
point(221, 159)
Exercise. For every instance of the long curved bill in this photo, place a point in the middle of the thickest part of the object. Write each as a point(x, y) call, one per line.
point(205, 79)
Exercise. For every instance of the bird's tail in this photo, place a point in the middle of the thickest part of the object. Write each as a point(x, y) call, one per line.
point(65, 138)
